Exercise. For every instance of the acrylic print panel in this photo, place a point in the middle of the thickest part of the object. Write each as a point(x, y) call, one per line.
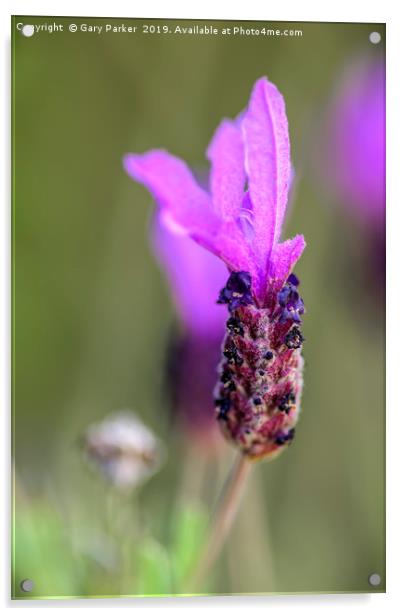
point(160, 167)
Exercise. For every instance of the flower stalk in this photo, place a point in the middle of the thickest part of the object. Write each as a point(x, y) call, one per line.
point(222, 521)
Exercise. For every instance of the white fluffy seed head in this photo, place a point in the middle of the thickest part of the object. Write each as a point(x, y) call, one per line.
point(123, 449)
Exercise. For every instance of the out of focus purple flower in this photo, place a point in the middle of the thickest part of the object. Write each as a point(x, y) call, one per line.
point(195, 276)
point(357, 141)
point(240, 221)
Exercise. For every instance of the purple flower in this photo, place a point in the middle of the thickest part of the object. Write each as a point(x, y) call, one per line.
point(240, 221)
point(194, 275)
point(357, 141)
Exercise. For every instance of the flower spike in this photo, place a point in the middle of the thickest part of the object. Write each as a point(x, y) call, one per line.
point(240, 221)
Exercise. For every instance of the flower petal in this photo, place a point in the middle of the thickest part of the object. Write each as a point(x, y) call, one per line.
point(186, 208)
point(267, 156)
point(227, 176)
point(283, 258)
point(172, 184)
point(196, 277)
point(357, 141)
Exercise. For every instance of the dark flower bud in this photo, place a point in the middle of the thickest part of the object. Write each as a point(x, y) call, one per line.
point(234, 325)
point(292, 306)
point(223, 405)
point(231, 353)
point(294, 338)
point(286, 402)
point(237, 291)
point(284, 437)
point(293, 279)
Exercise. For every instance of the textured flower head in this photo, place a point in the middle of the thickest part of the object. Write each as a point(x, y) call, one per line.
point(240, 219)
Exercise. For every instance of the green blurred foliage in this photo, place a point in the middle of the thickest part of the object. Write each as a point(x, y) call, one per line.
point(100, 561)
point(92, 318)
point(153, 571)
point(42, 552)
point(190, 527)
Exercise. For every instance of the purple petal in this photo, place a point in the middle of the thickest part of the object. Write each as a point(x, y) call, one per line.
point(229, 244)
point(246, 218)
point(186, 208)
point(283, 258)
point(196, 277)
point(357, 141)
point(227, 176)
point(185, 204)
point(267, 149)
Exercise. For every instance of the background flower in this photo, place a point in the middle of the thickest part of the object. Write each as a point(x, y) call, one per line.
point(123, 449)
point(352, 170)
point(356, 150)
point(195, 277)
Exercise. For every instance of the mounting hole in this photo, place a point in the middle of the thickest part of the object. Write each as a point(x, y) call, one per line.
point(375, 38)
point(27, 585)
point(28, 30)
point(374, 579)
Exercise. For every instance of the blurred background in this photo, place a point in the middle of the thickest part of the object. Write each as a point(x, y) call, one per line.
point(95, 321)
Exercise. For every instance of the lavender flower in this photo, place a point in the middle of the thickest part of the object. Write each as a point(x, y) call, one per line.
point(356, 166)
point(240, 221)
point(194, 275)
point(357, 154)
